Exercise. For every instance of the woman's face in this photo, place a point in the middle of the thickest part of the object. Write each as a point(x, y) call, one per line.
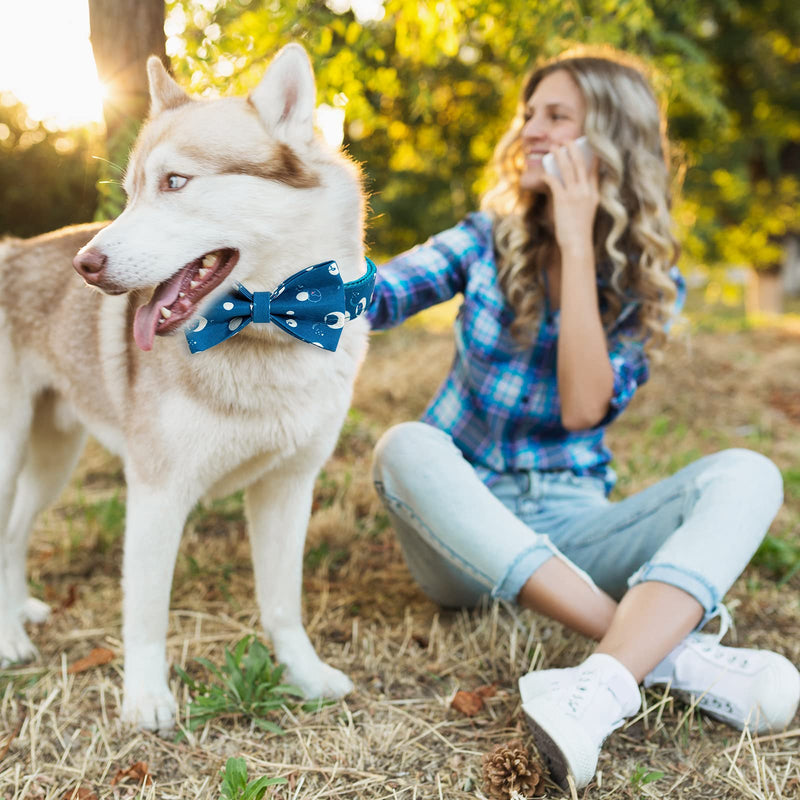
point(555, 113)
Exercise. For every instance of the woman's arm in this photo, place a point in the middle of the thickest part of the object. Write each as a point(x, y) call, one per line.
point(428, 274)
point(585, 375)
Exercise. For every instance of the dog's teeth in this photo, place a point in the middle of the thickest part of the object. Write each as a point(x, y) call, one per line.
point(202, 273)
point(209, 259)
point(181, 294)
point(166, 313)
point(194, 284)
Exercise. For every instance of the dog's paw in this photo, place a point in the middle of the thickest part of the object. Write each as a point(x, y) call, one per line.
point(321, 681)
point(35, 611)
point(151, 710)
point(15, 646)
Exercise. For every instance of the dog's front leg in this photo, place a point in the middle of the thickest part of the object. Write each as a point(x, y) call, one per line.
point(15, 420)
point(278, 510)
point(155, 519)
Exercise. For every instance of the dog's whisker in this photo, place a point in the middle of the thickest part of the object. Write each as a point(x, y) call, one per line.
point(117, 167)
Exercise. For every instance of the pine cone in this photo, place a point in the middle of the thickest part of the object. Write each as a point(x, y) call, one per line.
point(509, 769)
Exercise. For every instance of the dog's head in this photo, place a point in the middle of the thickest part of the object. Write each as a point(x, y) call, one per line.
point(225, 191)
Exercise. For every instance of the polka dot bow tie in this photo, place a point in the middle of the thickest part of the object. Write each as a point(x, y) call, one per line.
point(312, 305)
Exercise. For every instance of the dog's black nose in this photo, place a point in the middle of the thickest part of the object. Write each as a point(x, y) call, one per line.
point(90, 264)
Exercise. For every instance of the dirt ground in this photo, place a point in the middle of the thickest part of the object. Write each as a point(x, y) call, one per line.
point(397, 734)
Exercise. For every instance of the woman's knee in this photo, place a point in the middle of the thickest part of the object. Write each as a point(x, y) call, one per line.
point(405, 446)
point(747, 470)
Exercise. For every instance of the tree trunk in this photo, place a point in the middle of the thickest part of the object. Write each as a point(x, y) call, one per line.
point(791, 265)
point(123, 34)
point(764, 292)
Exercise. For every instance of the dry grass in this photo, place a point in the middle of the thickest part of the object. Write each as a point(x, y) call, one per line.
point(396, 735)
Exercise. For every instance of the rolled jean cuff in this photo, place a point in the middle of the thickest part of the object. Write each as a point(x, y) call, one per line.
point(691, 582)
point(522, 567)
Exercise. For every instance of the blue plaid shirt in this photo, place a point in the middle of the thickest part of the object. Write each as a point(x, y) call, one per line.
point(500, 402)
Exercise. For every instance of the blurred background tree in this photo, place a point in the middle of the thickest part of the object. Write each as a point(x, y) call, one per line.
point(47, 177)
point(425, 89)
point(123, 36)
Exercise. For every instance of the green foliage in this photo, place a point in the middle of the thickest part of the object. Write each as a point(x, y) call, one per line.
point(101, 522)
point(20, 679)
point(108, 514)
point(779, 556)
point(430, 87)
point(47, 177)
point(248, 684)
point(323, 554)
point(742, 185)
point(791, 482)
point(235, 785)
point(642, 776)
point(111, 197)
point(221, 510)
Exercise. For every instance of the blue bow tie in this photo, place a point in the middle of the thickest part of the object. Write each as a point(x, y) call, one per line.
point(311, 305)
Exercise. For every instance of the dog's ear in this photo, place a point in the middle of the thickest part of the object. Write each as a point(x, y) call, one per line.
point(164, 92)
point(286, 95)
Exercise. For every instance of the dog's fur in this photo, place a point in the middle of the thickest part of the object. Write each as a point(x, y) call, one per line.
point(261, 410)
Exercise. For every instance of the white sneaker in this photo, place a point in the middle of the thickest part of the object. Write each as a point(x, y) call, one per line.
point(756, 688)
point(542, 681)
point(572, 711)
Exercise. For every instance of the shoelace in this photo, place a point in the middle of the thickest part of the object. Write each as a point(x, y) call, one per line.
point(725, 623)
point(723, 655)
point(709, 643)
point(580, 692)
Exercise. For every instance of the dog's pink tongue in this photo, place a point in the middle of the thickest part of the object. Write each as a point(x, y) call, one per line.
point(147, 316)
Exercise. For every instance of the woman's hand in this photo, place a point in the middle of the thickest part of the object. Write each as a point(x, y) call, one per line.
point(575, 198)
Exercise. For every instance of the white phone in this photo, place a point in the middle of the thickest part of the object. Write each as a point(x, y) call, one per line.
point(549, 162)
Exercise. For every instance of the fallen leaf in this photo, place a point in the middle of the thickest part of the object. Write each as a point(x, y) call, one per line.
point(468, 703)
point(98, 657)
point(788, 403)
point(79, 793)
point(72, 596)
point(59, 603)
point(487, 691)
point(138, 771)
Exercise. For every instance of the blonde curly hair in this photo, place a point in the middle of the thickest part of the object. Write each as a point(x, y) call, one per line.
point(633, 240)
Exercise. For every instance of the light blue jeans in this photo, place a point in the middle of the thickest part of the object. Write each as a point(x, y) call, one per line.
point(696, 530)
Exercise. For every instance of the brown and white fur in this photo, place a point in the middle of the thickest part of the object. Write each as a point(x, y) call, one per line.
point(262, 410)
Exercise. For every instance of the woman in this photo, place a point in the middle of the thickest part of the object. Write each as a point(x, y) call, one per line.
point(569, 284)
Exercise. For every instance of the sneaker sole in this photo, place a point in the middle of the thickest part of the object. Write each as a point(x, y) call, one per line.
point(549, 726)
point(550, 752)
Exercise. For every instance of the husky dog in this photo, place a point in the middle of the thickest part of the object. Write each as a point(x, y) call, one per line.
point(220, 192)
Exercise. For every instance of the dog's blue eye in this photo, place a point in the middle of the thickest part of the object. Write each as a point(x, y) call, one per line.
point(174, 182)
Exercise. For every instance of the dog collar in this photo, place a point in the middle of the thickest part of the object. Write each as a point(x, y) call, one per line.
point(312, 305)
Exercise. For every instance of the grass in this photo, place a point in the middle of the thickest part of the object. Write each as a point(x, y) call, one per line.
point(235, 785)
point(396, 735)
point(248, 687)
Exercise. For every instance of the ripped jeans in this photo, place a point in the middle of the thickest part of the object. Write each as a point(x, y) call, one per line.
point(462, 540)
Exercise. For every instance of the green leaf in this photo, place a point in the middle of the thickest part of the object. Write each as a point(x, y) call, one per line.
point(211, 668)
point(247, 685)
point(234, 779)
point(257, 789)
point(267, 725)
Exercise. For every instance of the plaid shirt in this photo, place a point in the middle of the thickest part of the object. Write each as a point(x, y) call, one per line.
point(500, 402)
